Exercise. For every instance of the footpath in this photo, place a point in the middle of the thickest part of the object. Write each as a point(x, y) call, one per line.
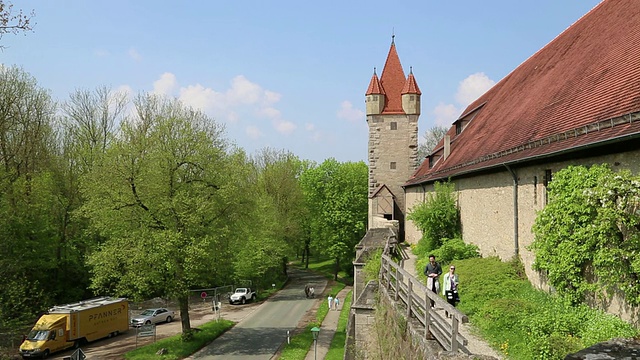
point(328, 328)
point(476, 345)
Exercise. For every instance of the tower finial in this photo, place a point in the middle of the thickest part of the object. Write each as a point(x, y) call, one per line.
point(393, 36)
point(374, 70)
point(411, 70)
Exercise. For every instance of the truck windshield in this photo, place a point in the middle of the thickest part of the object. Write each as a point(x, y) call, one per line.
point(37, 335)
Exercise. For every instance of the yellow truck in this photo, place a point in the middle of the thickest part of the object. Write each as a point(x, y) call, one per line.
point(67, 326)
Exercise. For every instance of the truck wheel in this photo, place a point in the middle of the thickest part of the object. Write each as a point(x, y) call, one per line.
point(45, 354)
point(243, 301)
point(169, 319)
point(76, 344)
point(253, 297)
point(148, 322)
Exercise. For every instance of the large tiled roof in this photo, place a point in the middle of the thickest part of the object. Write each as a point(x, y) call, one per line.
point(581, 89)
point(392, 81)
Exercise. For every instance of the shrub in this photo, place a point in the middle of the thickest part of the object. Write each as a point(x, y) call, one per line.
point(437, 218)
point(455, 249)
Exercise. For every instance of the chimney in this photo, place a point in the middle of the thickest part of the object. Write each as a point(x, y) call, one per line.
point(447, 146)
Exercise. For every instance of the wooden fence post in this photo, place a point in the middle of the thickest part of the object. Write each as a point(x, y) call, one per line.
point(427, 316)
point(409, 298)
point(454, 334)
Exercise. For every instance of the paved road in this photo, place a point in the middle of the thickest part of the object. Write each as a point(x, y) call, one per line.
point(260, 334)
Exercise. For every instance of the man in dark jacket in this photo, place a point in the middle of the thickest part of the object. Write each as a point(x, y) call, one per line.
point(432, 271)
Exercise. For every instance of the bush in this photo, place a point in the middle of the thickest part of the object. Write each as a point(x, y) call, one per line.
point(437, 218)
point(455, 249)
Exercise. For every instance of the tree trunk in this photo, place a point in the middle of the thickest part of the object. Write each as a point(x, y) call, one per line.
point(337, 269)
point(183, 302)
point(306, 250)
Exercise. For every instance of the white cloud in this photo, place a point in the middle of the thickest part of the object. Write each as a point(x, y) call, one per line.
point(445, 114)
point(134, 54)
point(309, 127)
point(469, 89)
point(284, 127)
point(200, 97)
point(165, 85)
point(253, 132)
point(242, 101)
point(270, 112)
point(472, 87)
point(349, 113)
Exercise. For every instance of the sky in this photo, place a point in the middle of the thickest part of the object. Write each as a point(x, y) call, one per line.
point(285, 75)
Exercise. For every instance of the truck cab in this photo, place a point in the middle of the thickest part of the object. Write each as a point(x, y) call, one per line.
point(47, 336)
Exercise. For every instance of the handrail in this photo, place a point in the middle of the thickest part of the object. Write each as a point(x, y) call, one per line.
point(402, 287)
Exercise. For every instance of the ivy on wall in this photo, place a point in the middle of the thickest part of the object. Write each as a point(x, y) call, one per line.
point(587, 238)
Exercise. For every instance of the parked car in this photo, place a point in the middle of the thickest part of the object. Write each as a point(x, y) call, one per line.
point(153, 316)
point(242, 295)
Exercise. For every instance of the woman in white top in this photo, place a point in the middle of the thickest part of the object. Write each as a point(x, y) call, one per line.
point(450, 287)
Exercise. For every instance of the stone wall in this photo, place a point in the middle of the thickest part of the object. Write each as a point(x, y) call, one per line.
point(487, 211)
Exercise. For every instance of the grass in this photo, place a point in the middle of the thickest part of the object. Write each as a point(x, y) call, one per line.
point(525, 323)
point(177, 349)
point(336, 350)
point(302, 342)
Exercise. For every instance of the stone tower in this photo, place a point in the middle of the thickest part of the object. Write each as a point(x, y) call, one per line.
point(393, 108)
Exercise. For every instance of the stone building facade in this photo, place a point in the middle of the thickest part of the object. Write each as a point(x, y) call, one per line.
point(392, 108)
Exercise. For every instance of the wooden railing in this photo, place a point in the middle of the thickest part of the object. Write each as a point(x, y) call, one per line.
point(402, 287)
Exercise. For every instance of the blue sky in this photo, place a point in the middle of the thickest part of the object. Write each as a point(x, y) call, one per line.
point(286, 74)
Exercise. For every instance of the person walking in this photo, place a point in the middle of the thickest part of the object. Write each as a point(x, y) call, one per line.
point(450, 287)
point(336, 301)
point(432, 271)
point(330, 301)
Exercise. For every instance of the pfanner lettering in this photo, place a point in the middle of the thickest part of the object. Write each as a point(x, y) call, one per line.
point(105, 314)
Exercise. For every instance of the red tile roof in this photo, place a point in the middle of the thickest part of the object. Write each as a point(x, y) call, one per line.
point(374, 85)
point(588, 74)
point(392, 81)
point(411, 86)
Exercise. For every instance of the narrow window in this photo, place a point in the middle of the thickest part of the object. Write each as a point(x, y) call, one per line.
point(548, 176)
point(392, 165)
point(394, 125)
point(412, 98)
point(458, 128)
point(430, 162)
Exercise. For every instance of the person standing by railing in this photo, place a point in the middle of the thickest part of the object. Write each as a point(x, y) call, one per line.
point(450, 288)
point(432, 271)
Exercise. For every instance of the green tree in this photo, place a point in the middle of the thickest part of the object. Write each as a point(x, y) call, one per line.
point(165, 199)
point(276, 229)
point(588, 237)
point(27, 196)
point(337, 196)
point(438, 218)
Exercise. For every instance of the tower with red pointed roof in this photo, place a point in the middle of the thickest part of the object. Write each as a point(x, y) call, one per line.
point(393, 108)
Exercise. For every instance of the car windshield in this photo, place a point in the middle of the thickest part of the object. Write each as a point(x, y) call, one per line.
point(147, 313)
point(37, 335)
point(241, 291)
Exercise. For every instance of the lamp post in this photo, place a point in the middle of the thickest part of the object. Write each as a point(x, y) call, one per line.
point(315, 330)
